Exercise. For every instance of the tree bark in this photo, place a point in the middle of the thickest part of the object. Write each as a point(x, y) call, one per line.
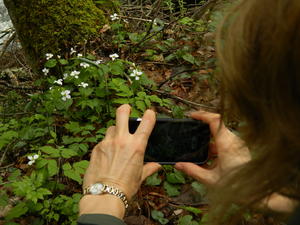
point(45, 26)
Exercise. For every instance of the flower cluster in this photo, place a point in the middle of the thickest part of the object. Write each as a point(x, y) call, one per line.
point(136, 74)
point(75, 74)
point(32, 159)
point(114, 17)
point(45, 71)
point(59, 82)
point(84, 65)
point(48, 56)
point(114, 56)
point(65, 95)
point(72, 51)
point(98, 61)
point(84, 85)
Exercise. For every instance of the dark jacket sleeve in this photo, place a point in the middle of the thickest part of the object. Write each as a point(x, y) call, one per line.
point(295, 218)
point(99, 219)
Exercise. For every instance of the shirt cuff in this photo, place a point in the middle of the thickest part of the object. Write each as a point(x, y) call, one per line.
point(99, 219)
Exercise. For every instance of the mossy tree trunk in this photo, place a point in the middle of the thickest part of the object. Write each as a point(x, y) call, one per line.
point(47, 26)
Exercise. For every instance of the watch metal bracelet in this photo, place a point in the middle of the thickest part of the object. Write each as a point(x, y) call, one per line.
point(105, 189)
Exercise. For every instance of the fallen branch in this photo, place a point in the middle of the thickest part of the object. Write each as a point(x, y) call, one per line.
point(187, 102)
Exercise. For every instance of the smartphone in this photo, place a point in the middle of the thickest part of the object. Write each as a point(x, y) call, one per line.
point(176, 140)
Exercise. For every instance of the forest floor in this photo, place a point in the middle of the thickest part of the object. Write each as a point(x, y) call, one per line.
point(177, 51)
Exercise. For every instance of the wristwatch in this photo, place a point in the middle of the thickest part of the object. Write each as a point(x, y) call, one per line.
point(100, 188)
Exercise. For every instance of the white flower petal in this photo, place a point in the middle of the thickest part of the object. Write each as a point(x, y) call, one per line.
point(35, 156)
point(30, 157)
point(31, 162)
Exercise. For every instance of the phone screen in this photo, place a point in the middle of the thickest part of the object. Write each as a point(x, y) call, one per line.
point(176, 140)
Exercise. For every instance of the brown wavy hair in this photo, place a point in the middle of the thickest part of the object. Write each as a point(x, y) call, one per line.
point(258, 49)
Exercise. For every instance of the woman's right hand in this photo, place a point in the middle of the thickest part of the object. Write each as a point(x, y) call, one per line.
point(230, 150)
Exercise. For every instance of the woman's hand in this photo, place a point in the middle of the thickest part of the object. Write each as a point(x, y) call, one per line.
point(118, 160)
point(230, 149)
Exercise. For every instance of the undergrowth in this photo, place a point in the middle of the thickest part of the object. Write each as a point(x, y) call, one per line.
point(45, 149)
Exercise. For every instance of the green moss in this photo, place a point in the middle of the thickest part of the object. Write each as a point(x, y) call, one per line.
point(55, 26)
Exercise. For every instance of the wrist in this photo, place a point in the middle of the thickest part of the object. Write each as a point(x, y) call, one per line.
point(102, 204)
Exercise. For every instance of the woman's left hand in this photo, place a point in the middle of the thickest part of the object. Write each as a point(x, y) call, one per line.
point(118, 160)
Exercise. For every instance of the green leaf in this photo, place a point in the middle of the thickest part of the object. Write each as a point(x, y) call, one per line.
point(85, 92)
point(69, 140)
point(153, 180)
point(81, 166)
point(200, 188)
point(154, 98)
point(52, 167)
point(159, 216)
point(17, 211)
point(51, 63)
point(53, 134)
point(120, 101)
point(53, 152)
point(189, 58)
point(155, 214)
point(117, 68)
point(41, 163)
point(187, 220)
point(73, 175)
point(63, 61)
point(172, 190)
point(73, 127)
point(140, 105)
point(68, 153)
point(194, 210)
point(67, 166)
point(176, 177)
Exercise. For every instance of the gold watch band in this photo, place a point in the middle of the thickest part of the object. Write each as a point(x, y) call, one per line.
point(107, 189)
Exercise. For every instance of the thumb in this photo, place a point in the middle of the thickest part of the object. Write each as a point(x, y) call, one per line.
point(205, 176)
point(149, 169)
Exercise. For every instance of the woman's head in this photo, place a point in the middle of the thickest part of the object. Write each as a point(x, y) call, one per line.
point(259, 53)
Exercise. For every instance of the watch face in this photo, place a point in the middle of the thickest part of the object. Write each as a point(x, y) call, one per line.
point(96, 189)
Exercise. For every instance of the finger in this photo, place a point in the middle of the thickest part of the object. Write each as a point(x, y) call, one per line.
point(149, 169)
point(213, 119)
point(110, 132)
point(122, 117)
point(146, 126)
point(213, 149)
point(205, 176)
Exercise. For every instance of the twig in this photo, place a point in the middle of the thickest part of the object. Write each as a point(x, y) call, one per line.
point(19, 87)
point(174, 75)
point(7, 166)
point(200, 11)
point(4, 154)
point(7, 43)
point(187, 102)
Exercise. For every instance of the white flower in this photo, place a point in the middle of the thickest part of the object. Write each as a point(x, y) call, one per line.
point(84, 85)
point(58, 56)
point(50, 88)
point(45, 71)
point(75, 74)
point(48, 56)
point(114, 16)
point(66, 75)
point(114, 56)
point(79, 55)
point(136, 74)
point(59, 81)
point(72, 51)
point(65, 95)
point(98, 61)
point(32, 159)
point(84, 65)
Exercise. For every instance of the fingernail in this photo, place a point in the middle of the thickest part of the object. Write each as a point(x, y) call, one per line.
point(178, 166)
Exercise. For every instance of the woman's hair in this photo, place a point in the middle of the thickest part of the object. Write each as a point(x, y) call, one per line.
point(258, 49)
